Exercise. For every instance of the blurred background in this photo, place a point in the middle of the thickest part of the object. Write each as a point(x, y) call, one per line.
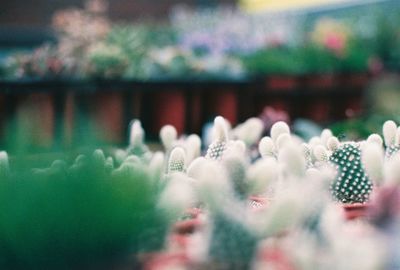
point(70, 66)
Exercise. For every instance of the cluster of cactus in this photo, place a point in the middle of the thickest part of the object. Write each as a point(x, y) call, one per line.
point(88, 214)
point(240, 201)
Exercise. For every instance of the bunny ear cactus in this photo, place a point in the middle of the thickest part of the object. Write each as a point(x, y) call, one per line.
point(219, 145)
point(137, 146)
point(391, 135)
point(168, 136)
point(352, 185)
point(233, 245)
point(176, 162)
point(307, 152)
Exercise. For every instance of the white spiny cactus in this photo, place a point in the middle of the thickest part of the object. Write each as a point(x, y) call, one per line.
point(321, 153)
point(392, 170)
point(218, 146)
point(168, 136)
point(109, 164)
point(262, 176)
point(176, 161)
point(235, 166)
point(314, 141)
point(157, 165)
point(250, 131)
point(192, 146)
point(397, 137)
point(372, 158)
point(389, 132)
point(292, 157)
point(279, 128)
point(391, 137)
point(136, 136)
point(132, 159)
point(375, 138)
point(332, 143)
point(120, 155)
point(178, 196)
point(325, 136)
point(236, 148)
point(196, 167)
point(213, 184)
point(283, 140)
point(308, 155)
point(266, 147)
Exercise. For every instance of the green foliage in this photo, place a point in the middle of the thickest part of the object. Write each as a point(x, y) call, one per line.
point(386, 42)
point(278, 60)
point(135, 42)
point(75, 217)
point(317, 59)
point(361, 127)
point(107, 61)
point(357, 56)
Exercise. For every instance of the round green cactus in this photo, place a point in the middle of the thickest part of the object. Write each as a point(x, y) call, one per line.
point(352, 184)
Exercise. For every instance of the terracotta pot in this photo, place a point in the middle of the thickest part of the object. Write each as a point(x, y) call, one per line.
point(319, 110)
point(354, 79)
point(320, 81)
point(258, 202)
point(187, 226)
point(194, 112)
point(356, 210)
point(385, 203)
point(354, 107)
point(108, 116)
point(281, 82)
point(169, 108)
point(164, 261)
point(35, 115)
point(191, 224)
point(273, 258)
point(225, 103)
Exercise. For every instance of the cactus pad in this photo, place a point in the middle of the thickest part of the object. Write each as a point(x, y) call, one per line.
point(351, 185)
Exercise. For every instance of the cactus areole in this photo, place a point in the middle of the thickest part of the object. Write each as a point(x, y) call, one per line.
point(352, 184)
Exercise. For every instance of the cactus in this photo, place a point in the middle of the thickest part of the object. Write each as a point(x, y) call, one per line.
point(137, 146)
point(391, 137)
point(233, 245)
point(217, 148)
point(352, 185)
point(176, 162)
point(78, 217)
point(392, 150)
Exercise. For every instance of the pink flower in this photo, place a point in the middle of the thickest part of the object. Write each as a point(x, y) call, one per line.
point(335, 42)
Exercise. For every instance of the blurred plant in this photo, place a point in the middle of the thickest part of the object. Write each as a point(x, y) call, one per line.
point(344, 49)
point(223, 42)
point(380, 103)
point(332, 35)
point(106, 61)
point(78, 30)
point(279, 60)
point(386, 40)
point(42, 62)
point(225, 30)
point(84, 215)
